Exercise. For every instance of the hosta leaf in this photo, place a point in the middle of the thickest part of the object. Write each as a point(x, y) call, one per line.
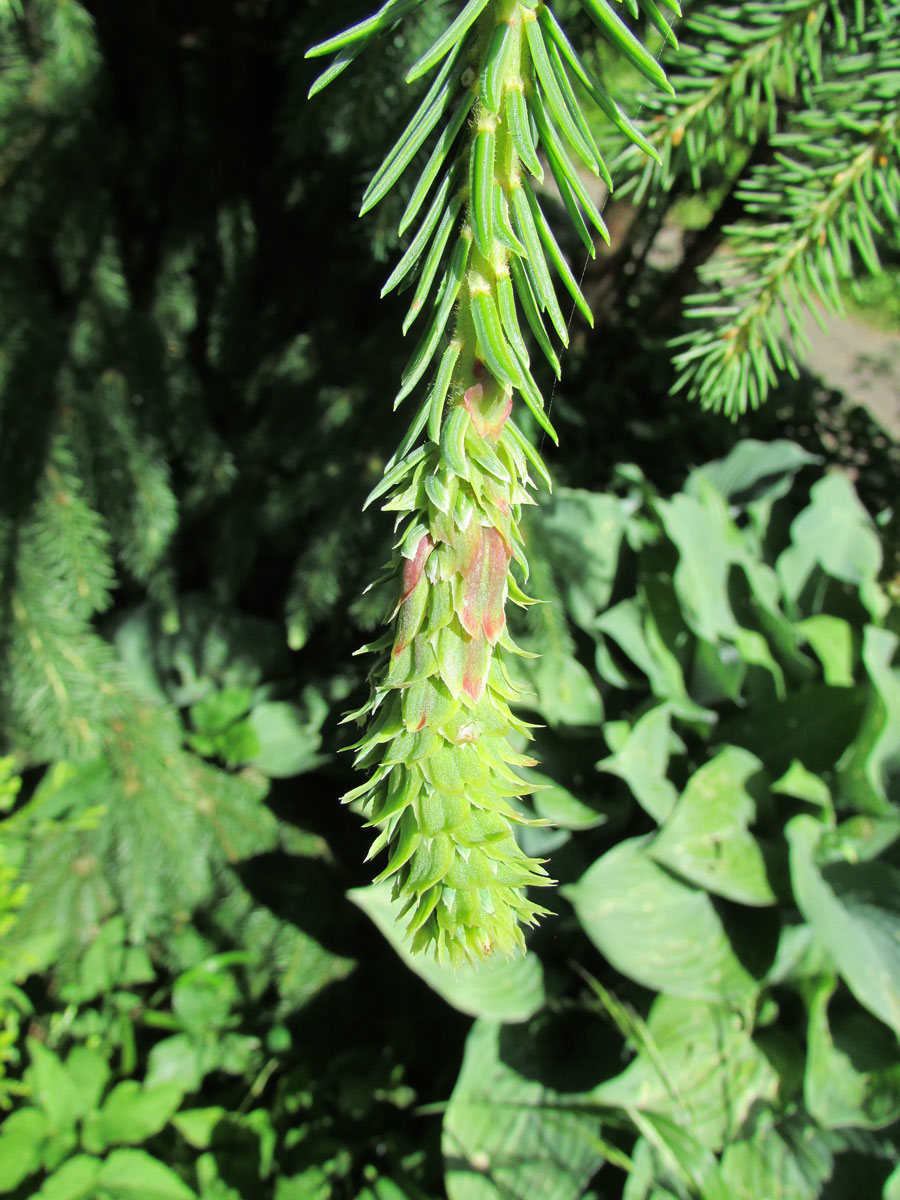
point(869, 772)
point(52, 1087)
point(506, 1135)
point(130, 1114)
point(706, 839)
point(22, 1137)
point(566, 694)
point(658, 931)
point(788, 1161)
point(704, 554)
point(696, 1064)
point(508, 990)
point(754, 470)
point(136, 1175)
point(835, 533)
point(642, 762)
point(852, 1069)
point(831, 638)
point(854, 910)
point(76, 1179)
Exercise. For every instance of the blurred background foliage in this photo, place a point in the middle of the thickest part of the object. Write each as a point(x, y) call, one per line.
point(199, 995)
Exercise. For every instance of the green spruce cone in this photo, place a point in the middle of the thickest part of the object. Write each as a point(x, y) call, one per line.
point(439, 718)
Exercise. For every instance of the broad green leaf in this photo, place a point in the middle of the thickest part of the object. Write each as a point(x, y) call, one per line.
point(220, 709)
point(509, 990)
point(557, 804)
point(582, 532)
point(687, 1163)
point(787, 1162)
point(813, 726)
point(831, 638)
point(635, 632)
point(177, 1059)
point(130, 1114)
point(803, 785)
point(507, 1136)
point(288, 743)
point(706, 839)
point(855, 912)
point(566, 693)
point(89, 1070)
point(22, 1137)
point(755, 469)
point(135, 1175)
point(704, 554)
point(76, 1179)
point(642, 761)
point(656, 930)
point(869, 772)
point(52, 1087)
point(833, 532)
point(699, 1066)
point(852, 1068)
point(196, 1125)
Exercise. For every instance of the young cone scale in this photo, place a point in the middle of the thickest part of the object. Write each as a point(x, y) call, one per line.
point(443, 785)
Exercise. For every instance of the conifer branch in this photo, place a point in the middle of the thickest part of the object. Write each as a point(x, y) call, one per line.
point(735, 63)
point(443, 786)
point(812, 215)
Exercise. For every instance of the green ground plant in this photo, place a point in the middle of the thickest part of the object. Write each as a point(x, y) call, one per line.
point(203, 996)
